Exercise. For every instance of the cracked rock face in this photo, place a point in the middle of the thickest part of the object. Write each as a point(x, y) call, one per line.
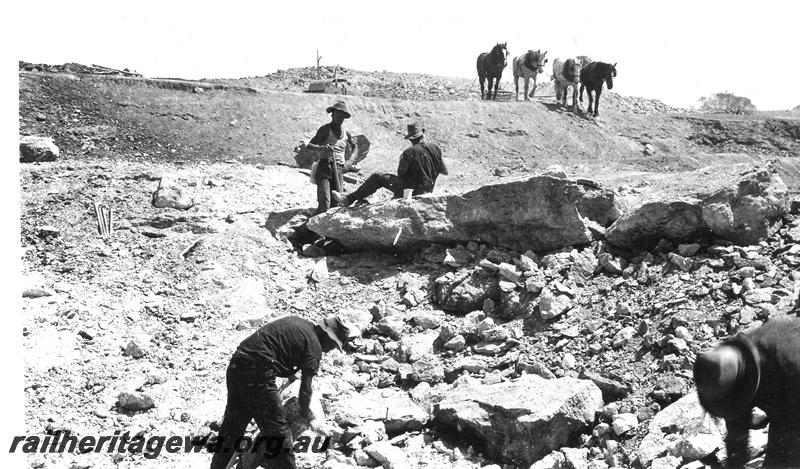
point(547, 213)
point(542, 414)
point(739, 204)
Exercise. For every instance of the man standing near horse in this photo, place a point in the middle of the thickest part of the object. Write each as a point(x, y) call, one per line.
point(420, 165)
point(331, 140)
point(278, 349)
point(760, 368)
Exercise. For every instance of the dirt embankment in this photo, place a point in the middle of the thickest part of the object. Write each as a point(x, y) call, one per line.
point(142, 119)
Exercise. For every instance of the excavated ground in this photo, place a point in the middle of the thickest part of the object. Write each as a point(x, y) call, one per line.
point(232, 149)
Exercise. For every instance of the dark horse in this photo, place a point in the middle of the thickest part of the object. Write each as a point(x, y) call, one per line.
point(592, 78)
point(491, 65)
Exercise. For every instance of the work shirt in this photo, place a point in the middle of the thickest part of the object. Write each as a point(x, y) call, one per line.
point(420, 165)
point(285, 345)
point(326, 135)
point(778, 394)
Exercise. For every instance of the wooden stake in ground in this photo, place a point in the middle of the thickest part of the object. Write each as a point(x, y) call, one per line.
point(105, 219)
point(97, 216)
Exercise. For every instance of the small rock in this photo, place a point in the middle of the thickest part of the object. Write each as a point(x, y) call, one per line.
point(48, 231)
point(133, 350)
point(509, 272)
point(554, 460)
point(623, 423)
point(170, 194)
point(683, 333)
point(666, 462)
point(680, 262)
point(623, 336)
point(190, 316)
point(391, 457)
point(426, 321)
point(35, 149)
point(688, 250)
point(534, 285)
point(390, 327)
point(532, 366)
point(600, 430)
point(551, 306)
point(455, 344)
point(427, 369)
point(135, 401)
point(569, 361)
point(35, 293)
point(610, 264)
point(527, 264)
point(698, 446)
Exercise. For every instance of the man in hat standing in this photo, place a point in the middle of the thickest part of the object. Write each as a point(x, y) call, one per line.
point(277, 349)
point(760, 368)
point(420, 165)
point(332, 140)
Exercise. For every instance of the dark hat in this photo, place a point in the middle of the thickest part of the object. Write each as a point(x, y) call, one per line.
point(336, 329)
point(413, 131)
point(727, 377)
point(339, 106)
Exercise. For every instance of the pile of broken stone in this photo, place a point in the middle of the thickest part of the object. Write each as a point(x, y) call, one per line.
point(579, 356)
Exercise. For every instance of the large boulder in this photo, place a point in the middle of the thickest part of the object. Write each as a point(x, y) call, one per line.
point(737, 202)
point(681, 424)
point(540, 213)
point(33, 149)
point(521, 421)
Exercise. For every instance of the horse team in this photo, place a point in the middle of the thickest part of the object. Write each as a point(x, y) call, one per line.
point(577, 73)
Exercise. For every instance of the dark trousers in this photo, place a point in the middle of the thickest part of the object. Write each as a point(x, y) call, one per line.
point(329, 178)
point(392, 182)
point(783, 442)
point(252, 394)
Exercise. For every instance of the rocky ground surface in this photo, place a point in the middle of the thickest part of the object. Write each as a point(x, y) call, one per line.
point(132, 331)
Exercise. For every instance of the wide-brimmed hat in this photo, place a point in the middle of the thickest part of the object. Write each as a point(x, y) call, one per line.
point(414, 131)
point(727, 377)
point(339, 106)
point(336, 328)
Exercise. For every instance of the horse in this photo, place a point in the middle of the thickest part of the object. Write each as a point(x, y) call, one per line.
point(584, 60)
point(491, 65)
point(566, 73)
point(592, 78)
point(527, 66)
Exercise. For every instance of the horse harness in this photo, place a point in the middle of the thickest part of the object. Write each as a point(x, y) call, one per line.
point(567, 71)
point(529, 61)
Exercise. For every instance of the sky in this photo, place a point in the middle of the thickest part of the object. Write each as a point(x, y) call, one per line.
point(676, 51)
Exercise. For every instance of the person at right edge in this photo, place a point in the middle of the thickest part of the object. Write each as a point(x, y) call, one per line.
point(420, 165)
point(759, 368)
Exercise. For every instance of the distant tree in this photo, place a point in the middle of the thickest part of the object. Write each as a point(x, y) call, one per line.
point(727, 102)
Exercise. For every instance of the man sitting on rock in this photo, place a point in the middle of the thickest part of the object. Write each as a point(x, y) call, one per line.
point(277, 349)
point(420, 166)
point(760, 368)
